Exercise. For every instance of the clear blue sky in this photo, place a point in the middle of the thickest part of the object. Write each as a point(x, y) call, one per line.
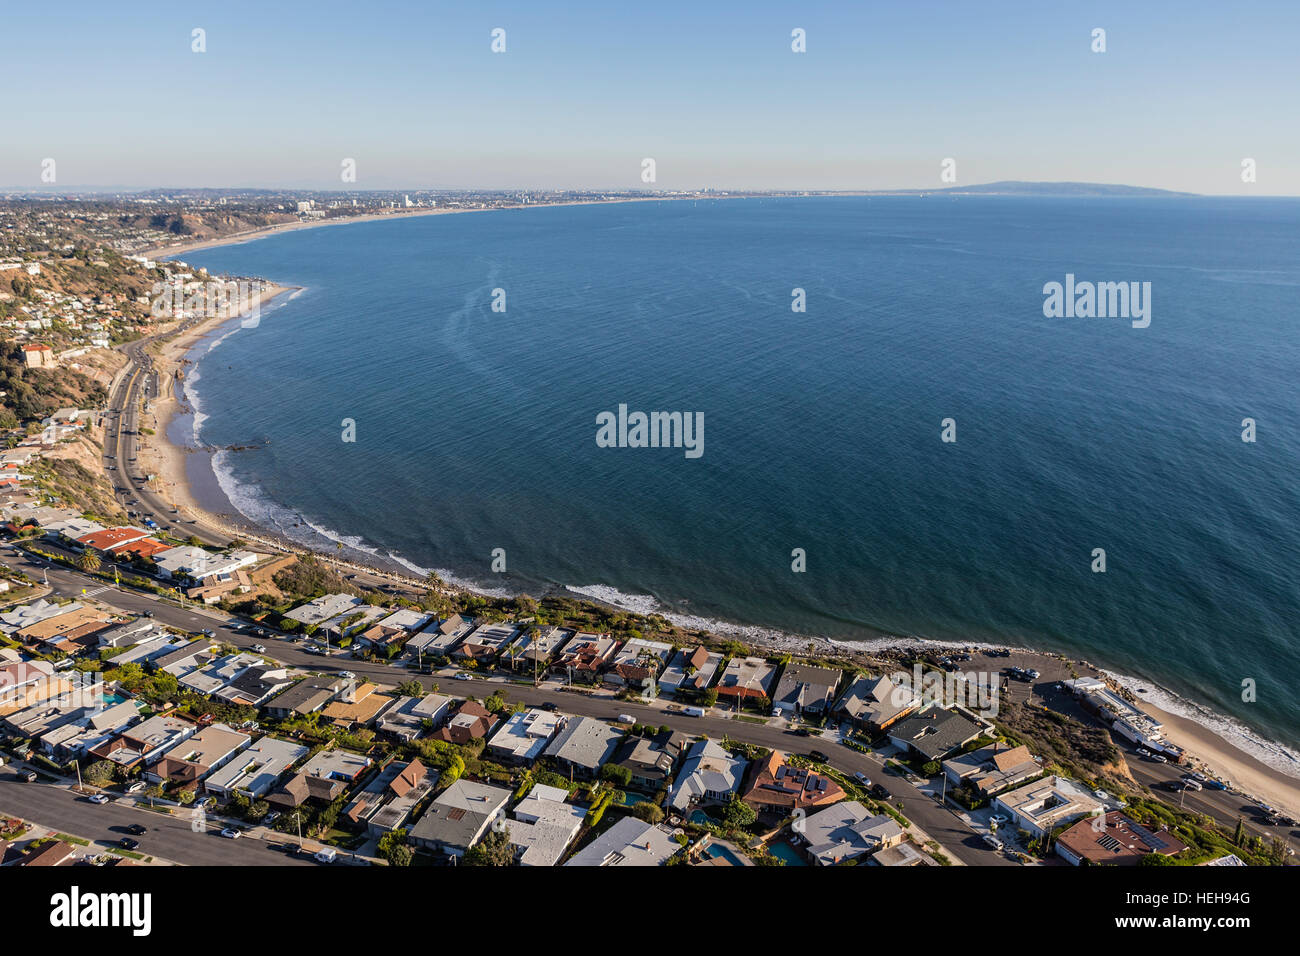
point(710, 90)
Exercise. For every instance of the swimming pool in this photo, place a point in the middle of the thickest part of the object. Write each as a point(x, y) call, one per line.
point(784, 851)
point(720, 852)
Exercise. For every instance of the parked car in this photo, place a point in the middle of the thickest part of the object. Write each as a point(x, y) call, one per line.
point(463, 676)
point(326, 854)
point(549, 705)
point(347, 675)
point(136, 787)
point(126, 843)
point(862, 778)
point(627, 718)
point(259, 648)
point(1160, 758)
point(1143, 752)
point(818, 756)
point(999, 818)
point(28, 777)
point(230, 833)
point(137, 829)
point(993, 841)
point(99, 798)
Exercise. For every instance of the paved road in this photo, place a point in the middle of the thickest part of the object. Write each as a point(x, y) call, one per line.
point(169, 838)
point(940, 822)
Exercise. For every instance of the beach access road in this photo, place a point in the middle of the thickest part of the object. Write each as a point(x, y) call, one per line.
point(940, 822)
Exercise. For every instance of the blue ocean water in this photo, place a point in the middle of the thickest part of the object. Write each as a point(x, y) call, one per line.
point(475, 429)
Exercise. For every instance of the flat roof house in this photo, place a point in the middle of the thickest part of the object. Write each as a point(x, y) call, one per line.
point(459, 817)
point(319, 610)
point(1045, 804)
point(805, 687)
point(406, 718)
point(253, 772)
point(146, 741)
point(1114, 840)
point(486, 641)
point(746, 677)
point(524, 737)
point(877, 703)
point(629, 842)
point(584, 745)
point(935, 733)
point(543, 826)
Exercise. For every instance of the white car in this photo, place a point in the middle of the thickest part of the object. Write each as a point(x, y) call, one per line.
point(231, 834)
point(1143, 752)
point(993, 841)
point(259, 648)
point(1160, 758)
point(347, 675)
point(999, 818)
point(99, 798)
point(463, 676)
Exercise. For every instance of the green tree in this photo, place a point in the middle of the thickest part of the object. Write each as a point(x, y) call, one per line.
point(494, 849)
point(738, 813)
point(89, 561)
point(648, 812)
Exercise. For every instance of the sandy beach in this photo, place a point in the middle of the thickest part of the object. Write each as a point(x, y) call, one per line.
point(172, 463)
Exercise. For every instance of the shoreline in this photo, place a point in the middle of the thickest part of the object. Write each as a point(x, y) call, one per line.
point(1205, 745)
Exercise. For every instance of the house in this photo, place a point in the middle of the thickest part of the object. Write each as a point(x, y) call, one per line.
point(584, 656)
point(459, 817)
point(543, 826)
point(254, 771)
point(26, 683)
point(146, 741)
point(935, 733)
point(629, 842)
point(19, 618)
point(255, 686)
point(185, 658)
point(305, 697)
point(143, 548)
point(486, 642)
point(62, 631)
point(846, 831)
point(391, 633)
point(524, 736)
point(196, 564)
point(692, 669)
point(387, 800)
point(316, 612)
point(992, 769)
point(584, 745)
point(352, 622)
point(1041, 806)
point(57, 853)
point(471, 721)
point(189, 761)
point(1114, 840)
point(357, 708)
point(636, 665)
point(776, 787)
point(439, 638)
point(537, 650)
point(746, 678)
point(407, 717)
point(111, 538)
point(131, 634)
point(218, 673)
point(876, 703)
point(650, 760)
point(90, 728)
point(904, 854)
point(149, 651)
point(805, 687)
point(708, 773)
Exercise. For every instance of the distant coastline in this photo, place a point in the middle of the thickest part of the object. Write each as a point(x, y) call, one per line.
point(1202, 734)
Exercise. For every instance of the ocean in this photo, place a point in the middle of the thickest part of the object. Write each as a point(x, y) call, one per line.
point(823, 430)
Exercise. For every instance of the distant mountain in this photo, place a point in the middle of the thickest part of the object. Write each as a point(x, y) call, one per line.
point(1018, 188)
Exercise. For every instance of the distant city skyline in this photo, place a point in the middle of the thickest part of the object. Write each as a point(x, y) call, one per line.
point(1182, 95)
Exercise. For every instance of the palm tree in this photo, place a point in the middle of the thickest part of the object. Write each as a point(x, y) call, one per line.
point(88, 560)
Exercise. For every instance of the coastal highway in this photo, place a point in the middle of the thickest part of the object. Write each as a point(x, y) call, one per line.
point(169, 838)
point(941, 823)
